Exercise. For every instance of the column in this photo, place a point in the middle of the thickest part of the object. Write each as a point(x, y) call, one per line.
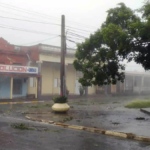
point(11, 87)
point(66, 88)
point(39, 80)
point(36, 88)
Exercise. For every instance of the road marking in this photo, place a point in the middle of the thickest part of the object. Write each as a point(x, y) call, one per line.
point(33, 102)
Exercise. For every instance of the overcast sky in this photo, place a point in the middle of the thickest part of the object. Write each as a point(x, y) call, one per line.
point(81, 14)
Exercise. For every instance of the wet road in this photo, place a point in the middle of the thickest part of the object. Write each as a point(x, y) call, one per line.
point(56, 138)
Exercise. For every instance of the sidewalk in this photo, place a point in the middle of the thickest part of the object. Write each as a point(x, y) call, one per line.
point(107, 114)
point(146, 110)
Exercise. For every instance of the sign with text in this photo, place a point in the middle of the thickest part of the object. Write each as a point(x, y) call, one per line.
point(18, 69)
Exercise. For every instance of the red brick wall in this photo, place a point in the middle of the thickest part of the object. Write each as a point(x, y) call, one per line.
point(9, 56)
point(4, 45)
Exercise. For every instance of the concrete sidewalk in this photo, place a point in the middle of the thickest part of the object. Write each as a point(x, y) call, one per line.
point(146, 110)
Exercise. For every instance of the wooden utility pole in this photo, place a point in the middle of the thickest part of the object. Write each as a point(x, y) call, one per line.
point(62, 64)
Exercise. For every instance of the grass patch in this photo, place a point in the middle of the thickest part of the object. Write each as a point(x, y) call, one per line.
point(139, 104)
point(40, 106)
point(147, 98)
point(22, 126)
point(67, 119)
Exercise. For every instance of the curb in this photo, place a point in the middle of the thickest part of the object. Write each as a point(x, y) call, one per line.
point(33, 102)
point(145, 111)
point(95, 130)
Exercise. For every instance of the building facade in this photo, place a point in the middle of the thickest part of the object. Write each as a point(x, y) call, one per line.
point(16, 74)
point(34, 71)
point(49, 64)
point(45, 59)
point(134, 83)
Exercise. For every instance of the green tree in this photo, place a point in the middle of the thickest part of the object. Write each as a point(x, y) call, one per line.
point(124, 35)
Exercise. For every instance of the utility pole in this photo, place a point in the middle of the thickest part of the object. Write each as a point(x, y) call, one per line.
point(63, 53)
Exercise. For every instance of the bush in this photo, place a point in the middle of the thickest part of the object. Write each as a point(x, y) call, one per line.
point(60, 99)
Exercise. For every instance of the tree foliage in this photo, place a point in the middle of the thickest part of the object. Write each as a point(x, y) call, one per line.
point(124, 35)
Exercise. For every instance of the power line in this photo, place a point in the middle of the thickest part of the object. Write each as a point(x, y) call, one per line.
point(74, 34)
point(29, 20)
point(41, 40)
point(73, 41)
point(82, 32)
point(19, 15)
point(26, 11)
point(40, 22)
point(25, 30)
point(35, 13)
point(74, 38)
point(79, 29)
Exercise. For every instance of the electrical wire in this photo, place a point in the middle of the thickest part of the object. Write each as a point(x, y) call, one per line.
point(25, 30)
point(72, 41)
point(35, 19)
point(41, 40)
point(82, 32)
point(79, 29)
point(26, 11)
point(29, 20)
point(40, 22)
point(74, 34)
point(74, 38)
point(37, 13)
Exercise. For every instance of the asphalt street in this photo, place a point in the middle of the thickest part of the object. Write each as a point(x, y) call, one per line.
point(57, 138)
point(50, 137)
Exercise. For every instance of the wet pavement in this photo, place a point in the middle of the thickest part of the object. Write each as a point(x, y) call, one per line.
point(56, 138)
point(107, 113)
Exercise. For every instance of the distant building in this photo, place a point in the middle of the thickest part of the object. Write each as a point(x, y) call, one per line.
point(15, 71)
point(49, 63)
point(45, 81)
point(134, 83)
point(34, 71)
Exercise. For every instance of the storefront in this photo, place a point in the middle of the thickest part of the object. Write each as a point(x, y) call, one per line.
point(15, 81)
